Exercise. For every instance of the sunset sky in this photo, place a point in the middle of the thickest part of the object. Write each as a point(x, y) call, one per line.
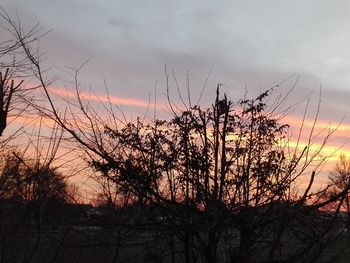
point(247, 44)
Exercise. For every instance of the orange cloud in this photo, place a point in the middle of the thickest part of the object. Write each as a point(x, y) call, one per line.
point(90, 96)
point(297, 122)
point(332, 148)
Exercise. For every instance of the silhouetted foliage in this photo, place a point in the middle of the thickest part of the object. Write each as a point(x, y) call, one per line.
point(30, 181)
point(216, 173)
point(215, 184)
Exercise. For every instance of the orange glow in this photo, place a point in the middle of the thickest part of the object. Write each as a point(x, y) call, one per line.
point(332, 149)
point(89, 96)
point(26, 120)
point(295, 123)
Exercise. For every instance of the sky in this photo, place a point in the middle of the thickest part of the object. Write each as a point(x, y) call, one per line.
point(245, 45)
point(253, 43)
point(250, 43)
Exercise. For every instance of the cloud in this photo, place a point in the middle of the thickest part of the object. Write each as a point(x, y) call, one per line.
point(250, 43)
point(91, 96)
point(131, 41)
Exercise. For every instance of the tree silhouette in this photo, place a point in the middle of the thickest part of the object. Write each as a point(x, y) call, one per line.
point(30, 182)
point(224, 182)
point(213, 170)
point(7, 91)
point(339, 180)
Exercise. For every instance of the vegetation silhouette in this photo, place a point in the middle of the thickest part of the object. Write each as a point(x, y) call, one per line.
point(209, 184)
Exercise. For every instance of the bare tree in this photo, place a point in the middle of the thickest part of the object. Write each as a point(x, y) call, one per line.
point(218, 169)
